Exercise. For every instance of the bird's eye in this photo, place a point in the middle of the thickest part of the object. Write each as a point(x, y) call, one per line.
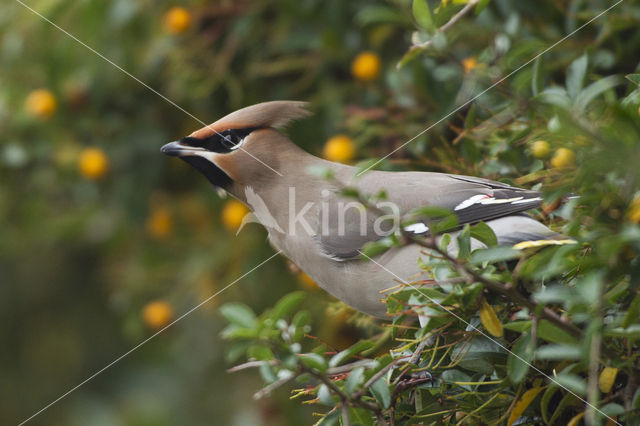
point(232, 140)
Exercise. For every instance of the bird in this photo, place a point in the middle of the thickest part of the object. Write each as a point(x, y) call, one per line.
point(311, 221)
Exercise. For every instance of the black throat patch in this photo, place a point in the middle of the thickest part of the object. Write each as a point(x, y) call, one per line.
point(213, 173)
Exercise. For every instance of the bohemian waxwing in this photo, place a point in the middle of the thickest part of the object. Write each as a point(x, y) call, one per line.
point(320, 230)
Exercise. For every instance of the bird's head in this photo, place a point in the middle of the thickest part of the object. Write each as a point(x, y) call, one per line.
point(241, 147)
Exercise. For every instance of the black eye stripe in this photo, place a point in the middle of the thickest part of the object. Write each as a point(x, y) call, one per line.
point(222, 142)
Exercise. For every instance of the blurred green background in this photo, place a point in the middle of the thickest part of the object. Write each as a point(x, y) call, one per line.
point(103, 240)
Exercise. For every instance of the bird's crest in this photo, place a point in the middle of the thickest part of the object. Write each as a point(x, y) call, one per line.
point(266, 114)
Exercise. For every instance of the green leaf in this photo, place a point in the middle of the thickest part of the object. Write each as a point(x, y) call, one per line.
point(236, 332)
point(340, 357)
point(381, 392)
point(445, 240)
point(432, 212)
point(494, 254)
point(612, 409)
point(324, 395)
point(631, 332)
point(439, 219)
point(551, 333)
point(553, 294)
point(594, 90)
point(360, 416)
point(464, 242)
point(635, 401)
point(373, 15)
point(520, 326)
point(616, 292)
point(375, 248)
point(481, 5)
point(546, 399)
point(456, 376)
point(634, 78)
point(239, 314)
point(366, 165)
point(575, 75)
point(267, 373)
point(633, 312)
point(555, 351)
point(555, 96)
point(410, 55)
point(287, 304)
point(260, 352)
point(301, 319)
point(355, 379)
point(520, 358)
point(422, 15)
point(321, 172)
point(573, 382)
point(315, 361)
point(536, 84)
point(483, 233)
point(470, 119)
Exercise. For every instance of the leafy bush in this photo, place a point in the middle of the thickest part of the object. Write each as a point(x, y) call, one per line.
point(524, 335)
point(104, 241)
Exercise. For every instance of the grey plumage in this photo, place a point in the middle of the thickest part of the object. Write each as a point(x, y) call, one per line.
point(304, 205)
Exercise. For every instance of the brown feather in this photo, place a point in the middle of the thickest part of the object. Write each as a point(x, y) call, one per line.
point(267, 114)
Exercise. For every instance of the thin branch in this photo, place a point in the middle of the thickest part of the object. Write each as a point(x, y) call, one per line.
point(345, 414)
point(273, 386)
point(458, 15)
point(250, 364)
point(451, 22)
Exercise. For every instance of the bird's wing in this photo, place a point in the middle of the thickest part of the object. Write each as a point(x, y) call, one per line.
point(471, 199)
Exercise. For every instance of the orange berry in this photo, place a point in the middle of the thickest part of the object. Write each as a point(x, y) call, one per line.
point(306, 281)
point(469, 63)
point(93, 163)
point(366, 66)
point(634, 210)
point(339, 148)
point(232, 214)
point(157, 314)
point(159, 223)
point(563, 158)
point(41, 103)
point(177, 20)
point(540, 149)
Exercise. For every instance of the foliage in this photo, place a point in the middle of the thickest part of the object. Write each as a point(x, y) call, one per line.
point(103, 241)
point(524, 335)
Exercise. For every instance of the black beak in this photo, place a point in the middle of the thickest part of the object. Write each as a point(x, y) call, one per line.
point(177, 149)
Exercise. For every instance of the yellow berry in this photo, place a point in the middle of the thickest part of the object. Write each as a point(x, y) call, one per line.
point(157, 314)
point(159, 224)
point(540, 149)
point(469, 63)
point(339, 148)
point(177, 20)
point(233, 213)
point(41, 103)
point(634, 210)
point(366, 66)
point(93, 163)
point(307, 282)
point(563, 158)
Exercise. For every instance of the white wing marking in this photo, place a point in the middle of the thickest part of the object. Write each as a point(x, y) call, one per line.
point(417, 228)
